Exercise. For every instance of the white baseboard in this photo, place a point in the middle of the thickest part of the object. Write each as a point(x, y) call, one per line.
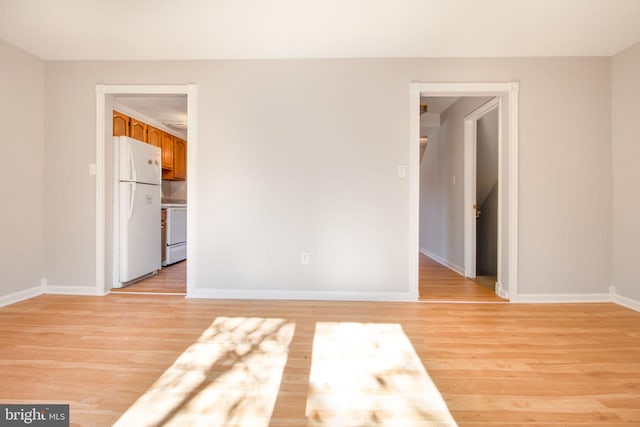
point(21, 295)
point(501, 291)
point(560, 298)
point(71, 290)
point(440, 260)
point(624, 301)
point(303, 295)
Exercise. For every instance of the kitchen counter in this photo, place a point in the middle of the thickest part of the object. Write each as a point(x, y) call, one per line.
point(173, 203)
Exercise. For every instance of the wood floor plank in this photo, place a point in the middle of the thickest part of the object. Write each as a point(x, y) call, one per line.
point(439, 283)
point(491, 364)
point(171, 279)
point(436, 283)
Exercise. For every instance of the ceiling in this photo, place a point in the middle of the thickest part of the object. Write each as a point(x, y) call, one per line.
point(437, 104)
point(170, 110)
point(215, 29)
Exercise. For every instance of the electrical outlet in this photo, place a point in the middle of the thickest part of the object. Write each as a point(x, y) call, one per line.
point(304, 258)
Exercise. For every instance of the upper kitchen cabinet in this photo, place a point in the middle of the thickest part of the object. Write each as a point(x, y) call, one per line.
point(154, 136)
point(121, 124)
point(179, 170)
point(137, 130)
point(167, 151)
point(180, 159)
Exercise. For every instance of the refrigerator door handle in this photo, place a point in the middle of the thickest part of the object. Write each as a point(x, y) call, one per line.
point(133, 164)
point(132, 200)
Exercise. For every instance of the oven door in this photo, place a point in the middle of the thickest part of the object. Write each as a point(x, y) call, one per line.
point(175, 253)
point(176, 226)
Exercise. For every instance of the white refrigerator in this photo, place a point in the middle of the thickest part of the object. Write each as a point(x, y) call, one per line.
point(136, 215)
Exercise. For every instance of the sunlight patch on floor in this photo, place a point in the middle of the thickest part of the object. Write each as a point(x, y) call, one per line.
point(369, 374)
point(229, 377)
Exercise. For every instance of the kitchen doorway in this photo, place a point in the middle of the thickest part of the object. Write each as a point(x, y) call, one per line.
point(107, 100)
point(160, 122)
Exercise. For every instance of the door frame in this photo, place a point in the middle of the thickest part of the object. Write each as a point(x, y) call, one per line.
point(507, 91)
point(470, 178)
point(103, 286)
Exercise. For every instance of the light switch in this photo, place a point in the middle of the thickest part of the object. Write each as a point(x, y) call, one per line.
point(92, 169)
point(402, 171)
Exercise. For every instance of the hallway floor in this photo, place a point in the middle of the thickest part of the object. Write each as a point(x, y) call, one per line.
point(439, 283)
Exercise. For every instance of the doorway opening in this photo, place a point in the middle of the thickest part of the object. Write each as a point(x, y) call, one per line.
point(158, 121)
point(167, 112)
point(446, 217)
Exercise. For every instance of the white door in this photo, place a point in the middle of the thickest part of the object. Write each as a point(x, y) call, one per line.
point(140, 251)
point(139, 161)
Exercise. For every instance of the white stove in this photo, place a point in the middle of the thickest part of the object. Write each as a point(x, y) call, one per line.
point(176, 249)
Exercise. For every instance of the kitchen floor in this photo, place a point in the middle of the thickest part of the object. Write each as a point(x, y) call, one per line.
point(170, 280)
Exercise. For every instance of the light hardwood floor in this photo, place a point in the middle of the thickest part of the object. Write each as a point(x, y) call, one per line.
point(439, 283)
point(297, 363)
point(170, 280)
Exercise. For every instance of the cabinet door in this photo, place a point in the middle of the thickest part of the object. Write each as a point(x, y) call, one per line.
point(167, 151)
point(120, 124)
point(138, 130)
point(180, 159)
point(154, 136)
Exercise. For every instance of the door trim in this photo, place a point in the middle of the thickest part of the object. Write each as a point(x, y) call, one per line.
point(507, 91)
point(470, 176)
point(102, 286)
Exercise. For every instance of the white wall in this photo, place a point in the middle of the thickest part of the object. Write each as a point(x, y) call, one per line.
point(22, 215)
point(432, 195)
point(626, 172)
point(565, 160)
point(302, 155)
point(427, 121)
point(441, 215)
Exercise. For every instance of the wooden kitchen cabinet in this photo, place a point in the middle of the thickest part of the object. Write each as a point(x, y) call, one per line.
point(179, 170)
point(180, 159)
point(138, 130)
point(167, 151)
point(121, 124)
point(154, 136)
point(174, 149)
